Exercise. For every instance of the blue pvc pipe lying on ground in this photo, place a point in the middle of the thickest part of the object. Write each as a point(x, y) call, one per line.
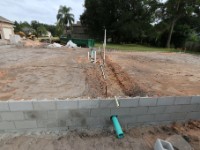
point(117, 127)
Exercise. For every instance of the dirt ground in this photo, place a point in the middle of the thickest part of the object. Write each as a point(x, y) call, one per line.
point(161, 74)
point(140, 138)
point(46, 73)
point(28, 73)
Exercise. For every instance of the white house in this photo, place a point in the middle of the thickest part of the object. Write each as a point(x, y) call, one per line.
point(6, 28)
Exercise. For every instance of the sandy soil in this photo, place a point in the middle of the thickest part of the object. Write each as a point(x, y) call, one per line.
point(161, 74)
point(140, 138)
point(28, 73)
point(44, 73)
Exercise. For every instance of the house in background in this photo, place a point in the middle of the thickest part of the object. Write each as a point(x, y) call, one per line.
point(6, 28)
point(77, 31)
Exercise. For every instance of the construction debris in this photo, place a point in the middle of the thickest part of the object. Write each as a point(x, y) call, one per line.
point(15, 39)
point(31, 43)
point(163, 145)
point(70, 44)
point(54, 45)
point(179, 142)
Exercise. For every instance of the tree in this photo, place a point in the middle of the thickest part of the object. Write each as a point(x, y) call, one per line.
point(41, 30)
point(64, 17)
point(125, 20)
point(174, 10)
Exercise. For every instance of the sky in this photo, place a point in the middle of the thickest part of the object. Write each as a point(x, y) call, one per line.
point(44, 11)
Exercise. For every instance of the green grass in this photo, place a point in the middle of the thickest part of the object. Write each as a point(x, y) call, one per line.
point(134, 47)
point(45, 38)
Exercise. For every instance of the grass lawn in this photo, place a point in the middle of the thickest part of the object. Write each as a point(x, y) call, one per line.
point(133, 47)
point(45, 38)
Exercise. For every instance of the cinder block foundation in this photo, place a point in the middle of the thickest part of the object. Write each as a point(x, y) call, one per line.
point(82, 114)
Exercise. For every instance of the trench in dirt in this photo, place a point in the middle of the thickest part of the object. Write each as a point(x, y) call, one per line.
point(117, 82)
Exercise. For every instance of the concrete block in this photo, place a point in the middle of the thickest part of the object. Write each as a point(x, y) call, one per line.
point(198, 107)
point(163, 145)
point(127, 119)
point(44, 105)
point(165, 101)
point(67, 104)
point(100, 112)
point(146, 118)
point(181, 108)
point(63, 115)
point(107, 104)
point(47, 123)
point(134, 102)
point(120, 111)
point(145, 101)
point(190, 108)
point(88, 104)
point(156, 110)
point(195, 100)
point(27, 124)
point(178, 116)
point(78, 128)
point(52, 114)
point(182, 100)
point(98, 121)
point(193, 115)
point(173, 109)
point(171, 117)
point(7, 125)
point(79, 113)
point(163, 117)
point(12, 116)
point(35, 115)
point(4, 106)
point(62, 123)
point(21, 106)
point(81, 122)
point(138, 111)
point(133, 125)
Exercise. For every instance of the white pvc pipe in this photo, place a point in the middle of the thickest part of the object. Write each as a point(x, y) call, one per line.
point(116, 101)
point(95, 56)
point(104, 47)
point(88, 55)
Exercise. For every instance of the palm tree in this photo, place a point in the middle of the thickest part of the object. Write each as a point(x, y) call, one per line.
point(64, 17)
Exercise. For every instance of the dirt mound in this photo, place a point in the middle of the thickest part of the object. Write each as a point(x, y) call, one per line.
point(31, 43)
point(127, 83)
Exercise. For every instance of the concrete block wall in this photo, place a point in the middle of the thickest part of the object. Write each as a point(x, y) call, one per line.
point(81, 114)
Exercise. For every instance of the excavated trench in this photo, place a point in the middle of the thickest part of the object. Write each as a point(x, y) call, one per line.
point(117, 82)
point(126, 83)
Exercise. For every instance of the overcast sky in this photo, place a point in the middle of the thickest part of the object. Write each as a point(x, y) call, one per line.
point(44, 11)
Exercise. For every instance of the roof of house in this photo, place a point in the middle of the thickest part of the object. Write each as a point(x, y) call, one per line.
point(2, 19)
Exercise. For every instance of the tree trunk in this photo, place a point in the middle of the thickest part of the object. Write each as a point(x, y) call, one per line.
point(170, 33)
point(172, 26)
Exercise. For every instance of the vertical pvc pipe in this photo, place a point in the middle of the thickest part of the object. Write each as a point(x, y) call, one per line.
point(104, 47)
point(117, 127)
point(88, 55)
point(95, 56)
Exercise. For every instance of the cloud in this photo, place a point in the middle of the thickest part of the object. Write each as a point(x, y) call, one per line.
point(44, 11)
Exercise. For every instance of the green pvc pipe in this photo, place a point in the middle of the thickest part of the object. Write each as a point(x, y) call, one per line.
point(117, 127)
